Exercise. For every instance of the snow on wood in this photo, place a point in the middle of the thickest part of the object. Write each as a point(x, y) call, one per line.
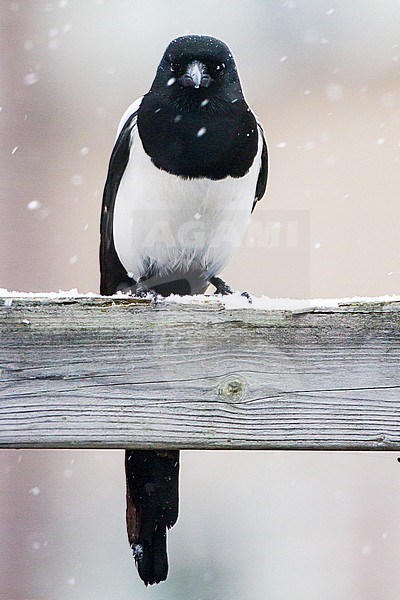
point(233, 301)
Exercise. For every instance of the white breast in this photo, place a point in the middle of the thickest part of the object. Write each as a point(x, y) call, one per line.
point(175, 224)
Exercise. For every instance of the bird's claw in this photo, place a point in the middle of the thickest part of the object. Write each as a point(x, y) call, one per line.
point(220, 286)
point(142, 291)
point(225, 290)
point(248, 296)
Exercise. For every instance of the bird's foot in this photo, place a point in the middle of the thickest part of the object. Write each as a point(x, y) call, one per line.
point(248, 296)
point(221, 287)
point(142, 291)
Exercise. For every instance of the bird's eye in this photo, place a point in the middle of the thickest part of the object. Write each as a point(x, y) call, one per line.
point(176, 67)
point(217, 69)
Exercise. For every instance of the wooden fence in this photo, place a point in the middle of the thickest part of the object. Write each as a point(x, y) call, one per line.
point(115, 373)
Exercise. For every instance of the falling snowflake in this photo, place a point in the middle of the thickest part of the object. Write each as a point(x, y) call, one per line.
point(34, 205)
point(76, 179)
point(31, 78)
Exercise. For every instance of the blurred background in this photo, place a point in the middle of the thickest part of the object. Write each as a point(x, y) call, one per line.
point(323, 77)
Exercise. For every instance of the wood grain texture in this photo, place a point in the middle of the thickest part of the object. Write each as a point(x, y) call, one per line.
point(111, 374)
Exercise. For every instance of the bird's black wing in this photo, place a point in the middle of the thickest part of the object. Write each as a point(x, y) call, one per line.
point(113, 274)
point(263, 174)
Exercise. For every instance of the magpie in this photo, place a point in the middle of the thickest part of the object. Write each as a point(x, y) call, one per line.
point(187, 169)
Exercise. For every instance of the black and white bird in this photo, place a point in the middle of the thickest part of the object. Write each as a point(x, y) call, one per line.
point(188, 167)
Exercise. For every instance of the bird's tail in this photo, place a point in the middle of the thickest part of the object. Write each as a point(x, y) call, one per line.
point(152, 502)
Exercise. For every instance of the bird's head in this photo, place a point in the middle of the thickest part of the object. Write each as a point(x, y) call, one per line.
point(194, 122)
point(196, 66)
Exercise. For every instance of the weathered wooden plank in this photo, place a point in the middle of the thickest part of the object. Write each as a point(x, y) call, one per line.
point(101, 373)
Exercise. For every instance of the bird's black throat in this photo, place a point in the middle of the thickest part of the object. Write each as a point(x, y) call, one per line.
point(193, 135)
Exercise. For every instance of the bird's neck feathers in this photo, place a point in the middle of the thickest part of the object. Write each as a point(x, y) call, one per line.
point(198, 134)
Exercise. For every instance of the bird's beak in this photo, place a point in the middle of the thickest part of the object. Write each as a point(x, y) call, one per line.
point(196, 76)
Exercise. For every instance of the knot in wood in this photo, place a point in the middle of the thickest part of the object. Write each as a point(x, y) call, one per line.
point(232, 388)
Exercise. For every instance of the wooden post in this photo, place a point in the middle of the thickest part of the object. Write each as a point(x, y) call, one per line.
point(114, 373)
